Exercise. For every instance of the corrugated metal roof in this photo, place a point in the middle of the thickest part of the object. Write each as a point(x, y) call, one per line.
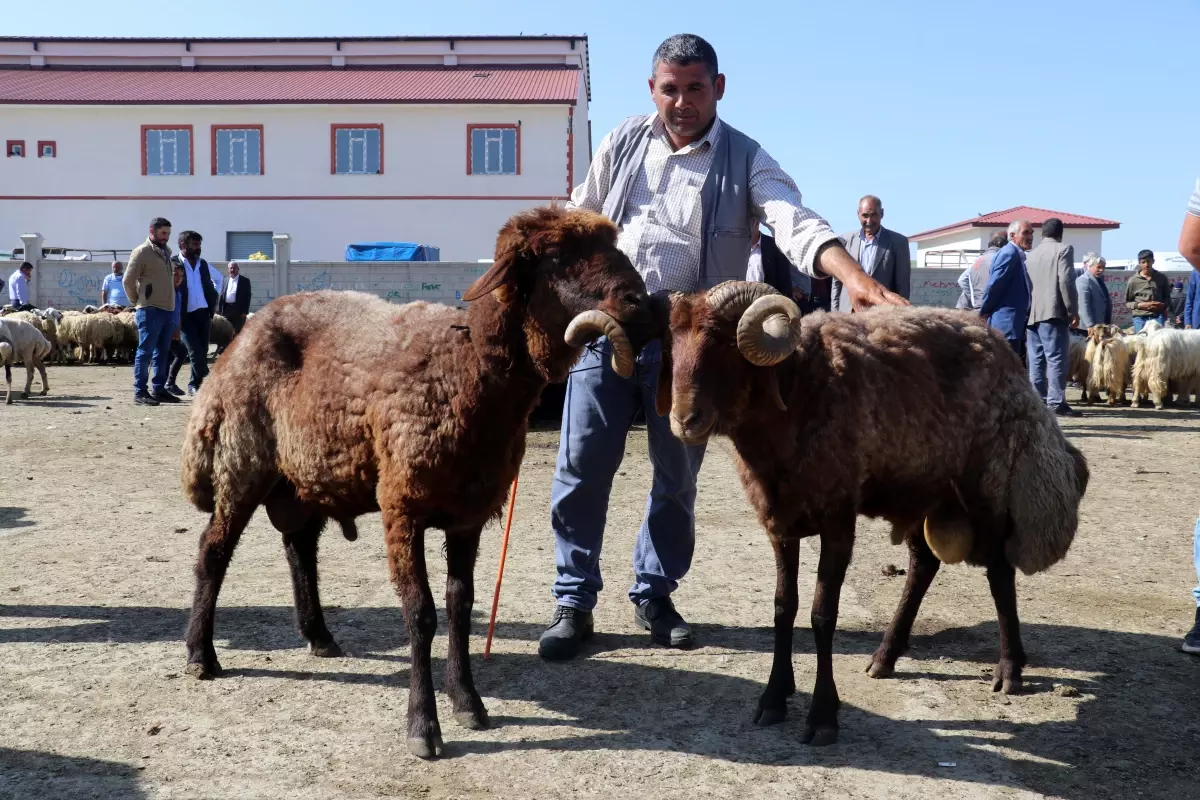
point(396, 85)
point(1036, 216)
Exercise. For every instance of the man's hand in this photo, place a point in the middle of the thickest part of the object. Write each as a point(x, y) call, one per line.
point(1075, 321)
point(864, 291)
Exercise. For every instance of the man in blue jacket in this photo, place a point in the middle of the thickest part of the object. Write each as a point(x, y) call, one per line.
point(1007, 297)
point(1191, 306)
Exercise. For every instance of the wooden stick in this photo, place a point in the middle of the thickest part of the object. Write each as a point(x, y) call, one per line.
point(512, 503)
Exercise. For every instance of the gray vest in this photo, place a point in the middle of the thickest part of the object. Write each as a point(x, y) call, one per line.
point(724, 198)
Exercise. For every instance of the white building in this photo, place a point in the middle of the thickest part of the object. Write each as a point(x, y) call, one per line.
point(333, 141)
point(958, 245)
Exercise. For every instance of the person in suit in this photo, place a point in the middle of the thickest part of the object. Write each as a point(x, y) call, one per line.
point(881, 253)
point(1054, 310)
point(201, 295)
point(1005, 302)
point(1191, 305)
point(234, 304)
point(1095, 306)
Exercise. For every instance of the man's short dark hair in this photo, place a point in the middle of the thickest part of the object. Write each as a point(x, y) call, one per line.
point(999, 239)
point(684, 49)
point(26, 265)
point(1052, 228)
point(159, 222)
point(189, 236)
point(1143, 255)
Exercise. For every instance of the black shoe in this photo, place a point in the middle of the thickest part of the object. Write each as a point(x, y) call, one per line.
point(1064, 410)
point(144, 399)
point(165, 397)
point(569, 629)
point(666, 627)
point(1191, 642)
point(175, 390)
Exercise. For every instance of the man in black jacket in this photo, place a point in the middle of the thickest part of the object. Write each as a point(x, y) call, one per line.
point(201, 303)
point(234, 304)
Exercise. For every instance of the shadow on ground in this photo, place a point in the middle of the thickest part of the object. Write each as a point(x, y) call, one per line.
point(34, 774)
point(1131, 731)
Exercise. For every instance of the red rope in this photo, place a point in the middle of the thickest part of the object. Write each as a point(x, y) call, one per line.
point(512, 503)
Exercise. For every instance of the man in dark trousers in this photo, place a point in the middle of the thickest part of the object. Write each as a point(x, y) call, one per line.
point(235, 298)
point(196, 319)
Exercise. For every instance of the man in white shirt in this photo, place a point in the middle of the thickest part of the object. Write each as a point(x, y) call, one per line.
point(18, 287)
point(201, 297)
point(659, 178)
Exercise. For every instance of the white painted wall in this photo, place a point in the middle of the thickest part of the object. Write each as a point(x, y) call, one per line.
point(465, 230)
point(425, 156)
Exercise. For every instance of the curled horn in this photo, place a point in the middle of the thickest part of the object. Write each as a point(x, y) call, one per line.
point(592, 324)
point(766, 333)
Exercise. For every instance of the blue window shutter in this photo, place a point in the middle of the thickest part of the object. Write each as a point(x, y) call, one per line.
point(478, 138)
point(493, 156)
point(372, 165)
point(508, 140)
point(183, 152)
point(253, 152)
point(153, 161)
point(223, 166)
point(343, 151)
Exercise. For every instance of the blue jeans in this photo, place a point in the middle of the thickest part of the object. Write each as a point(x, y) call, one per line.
point(598, 411)
point(1140, 322)
point(193, 329)
point(1196, 559)
point(155, 327)
point(1049, 346)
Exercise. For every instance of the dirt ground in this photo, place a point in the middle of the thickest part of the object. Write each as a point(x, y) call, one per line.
point(96, 553)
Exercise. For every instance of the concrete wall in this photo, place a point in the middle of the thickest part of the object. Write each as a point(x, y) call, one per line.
point(1084, 240)
point(93, 195)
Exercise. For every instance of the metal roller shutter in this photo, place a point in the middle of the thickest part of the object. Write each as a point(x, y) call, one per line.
point(239, 245)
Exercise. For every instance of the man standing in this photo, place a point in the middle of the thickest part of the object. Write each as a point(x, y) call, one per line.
point(1191, 305)
point(112, 292)
point(881, 253)
point(235, 299)
point(1095, 306)
point(196, 320)
point(684, 188)
point(178, 353)
point(148, 285)
point(1189, 248)
point(1054, 310)
point(1177, 302)
point(974, 278)
point(18, 287)
point(1147, 293)
point(1005, 302)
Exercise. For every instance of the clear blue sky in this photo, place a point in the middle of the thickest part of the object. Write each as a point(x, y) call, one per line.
point(944, 109)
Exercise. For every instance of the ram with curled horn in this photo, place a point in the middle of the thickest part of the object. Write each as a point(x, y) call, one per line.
point(922, 417)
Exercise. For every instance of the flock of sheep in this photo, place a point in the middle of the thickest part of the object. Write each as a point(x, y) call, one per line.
point(1156, 364)
point(91, 336)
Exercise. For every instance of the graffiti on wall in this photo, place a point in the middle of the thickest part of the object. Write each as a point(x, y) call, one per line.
point(80, 289)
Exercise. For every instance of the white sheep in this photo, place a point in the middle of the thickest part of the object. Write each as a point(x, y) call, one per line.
point(1168, 355)
point(20, 341)
point(1108, 362)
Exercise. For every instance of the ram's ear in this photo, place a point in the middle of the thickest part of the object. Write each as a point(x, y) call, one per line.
point(509, 250)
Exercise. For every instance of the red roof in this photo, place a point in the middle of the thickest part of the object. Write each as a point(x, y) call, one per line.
point(396, 85)
point(1036, 216)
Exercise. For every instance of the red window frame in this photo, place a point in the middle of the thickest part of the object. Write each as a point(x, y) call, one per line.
point(8, 148)
point(493, 126)
point(191, 143)
point(337, 126)
point(53, 149)
point(262, 145)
